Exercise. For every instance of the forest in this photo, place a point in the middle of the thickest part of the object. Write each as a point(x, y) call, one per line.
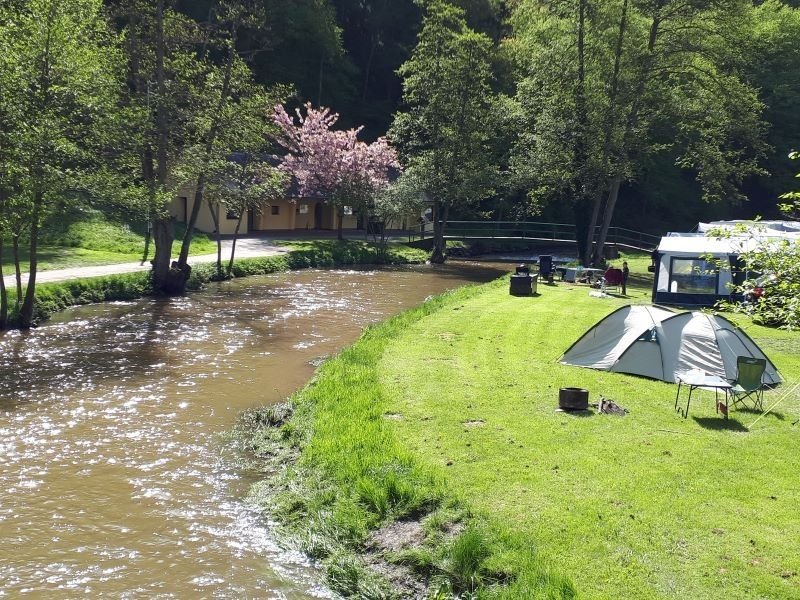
point(647, 114)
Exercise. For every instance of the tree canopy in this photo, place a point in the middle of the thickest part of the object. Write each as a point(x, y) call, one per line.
point(647, 114)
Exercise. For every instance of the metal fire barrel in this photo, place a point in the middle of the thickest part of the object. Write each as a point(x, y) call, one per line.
point(570, 398)
point(520, 284)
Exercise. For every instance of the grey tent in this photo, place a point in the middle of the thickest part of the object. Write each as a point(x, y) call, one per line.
point(656, 342)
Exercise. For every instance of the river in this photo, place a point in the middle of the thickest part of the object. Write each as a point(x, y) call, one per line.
point(114, 476)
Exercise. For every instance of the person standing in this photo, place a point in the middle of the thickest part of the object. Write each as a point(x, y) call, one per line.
point(625, 271)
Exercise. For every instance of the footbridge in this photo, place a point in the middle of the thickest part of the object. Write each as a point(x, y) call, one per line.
point(561, 233)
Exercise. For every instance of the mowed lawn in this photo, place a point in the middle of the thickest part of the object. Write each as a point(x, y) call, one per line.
point(650, 505)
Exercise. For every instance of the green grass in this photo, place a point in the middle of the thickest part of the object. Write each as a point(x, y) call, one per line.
point(95, 241)
point(650, 505)
point(356, 474)
point(446, 414)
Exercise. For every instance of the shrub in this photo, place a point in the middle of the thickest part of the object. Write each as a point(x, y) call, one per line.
point(777, 304)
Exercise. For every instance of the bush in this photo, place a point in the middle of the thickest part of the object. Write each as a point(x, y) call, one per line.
point(777, 303)
point(54, 297)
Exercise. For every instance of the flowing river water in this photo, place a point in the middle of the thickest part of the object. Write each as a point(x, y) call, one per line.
point(114, 477)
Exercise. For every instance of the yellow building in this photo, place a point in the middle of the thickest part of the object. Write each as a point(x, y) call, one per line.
point(283, 215)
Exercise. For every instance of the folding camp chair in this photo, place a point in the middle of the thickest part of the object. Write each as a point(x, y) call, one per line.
point(613, 277)
point(748, 382)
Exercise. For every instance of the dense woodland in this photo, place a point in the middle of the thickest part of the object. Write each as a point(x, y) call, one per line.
point(647, 114)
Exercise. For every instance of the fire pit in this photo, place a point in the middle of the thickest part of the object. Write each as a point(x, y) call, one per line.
point(571, 398)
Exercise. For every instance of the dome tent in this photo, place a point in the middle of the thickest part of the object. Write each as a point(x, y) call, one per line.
point(658, 343)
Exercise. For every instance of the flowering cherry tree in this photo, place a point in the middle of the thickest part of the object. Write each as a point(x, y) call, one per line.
point(333, 164)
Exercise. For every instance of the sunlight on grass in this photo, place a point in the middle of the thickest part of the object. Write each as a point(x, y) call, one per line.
point(647, 505)
point(91, 244)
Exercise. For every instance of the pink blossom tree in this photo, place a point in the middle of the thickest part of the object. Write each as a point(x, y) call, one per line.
point(333, 164)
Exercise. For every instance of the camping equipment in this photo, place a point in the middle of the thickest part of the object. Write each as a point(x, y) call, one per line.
point(748, 382)
point(546, 267)
point(570, 398)
point(523, 283)
point(609, 407)
point(697, 379)
point(658, 343)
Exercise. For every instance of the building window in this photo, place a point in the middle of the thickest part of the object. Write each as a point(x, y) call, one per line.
point(275, 210)
point(347, 210)
point(232, 215)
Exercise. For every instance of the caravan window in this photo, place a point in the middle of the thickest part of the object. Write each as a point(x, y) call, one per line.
point(693, 276)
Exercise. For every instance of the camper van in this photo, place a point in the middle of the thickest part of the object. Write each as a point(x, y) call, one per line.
point(701, 268)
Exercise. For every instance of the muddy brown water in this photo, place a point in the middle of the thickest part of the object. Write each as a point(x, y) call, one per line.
point(115, 479)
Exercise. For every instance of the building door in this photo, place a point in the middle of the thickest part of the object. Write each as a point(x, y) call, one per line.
point(251, 219)
point(318, 215)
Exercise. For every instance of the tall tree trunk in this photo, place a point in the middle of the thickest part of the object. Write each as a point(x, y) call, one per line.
point(339, 225)
point(148, 235)
point(208, 150)
point(26, 312)
point(319, 82)
point(166, 280)
point(630, 126)
point(611, 203)
point(3, 294)
point(438, 255)
point(213, 208)
point(233, 241)
point(191, 223)
point(580, 165)
point(588, 251)
point(17, 267)
point(589, 256)
point(367, 69)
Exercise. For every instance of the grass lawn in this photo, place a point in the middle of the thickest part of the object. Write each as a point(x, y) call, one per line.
point(97, 243)
point(650, 505)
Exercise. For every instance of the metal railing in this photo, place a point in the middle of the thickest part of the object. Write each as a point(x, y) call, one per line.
point(619, 236)
point(532, 230)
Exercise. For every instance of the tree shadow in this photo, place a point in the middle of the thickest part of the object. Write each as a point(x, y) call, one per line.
point(720, 424)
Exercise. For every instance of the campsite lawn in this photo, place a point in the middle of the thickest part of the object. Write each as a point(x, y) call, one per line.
point(650, 505)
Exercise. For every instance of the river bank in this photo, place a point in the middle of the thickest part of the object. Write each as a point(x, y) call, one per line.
point(117, 476)
point(352, 495)
point(431, 451)
point(121, 284)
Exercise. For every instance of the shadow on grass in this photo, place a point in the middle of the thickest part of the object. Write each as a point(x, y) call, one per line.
point(719, 424)
point(754, 412)
point(576, 413)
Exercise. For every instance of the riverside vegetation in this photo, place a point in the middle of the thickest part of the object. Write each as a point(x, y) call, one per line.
point(428, 459)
